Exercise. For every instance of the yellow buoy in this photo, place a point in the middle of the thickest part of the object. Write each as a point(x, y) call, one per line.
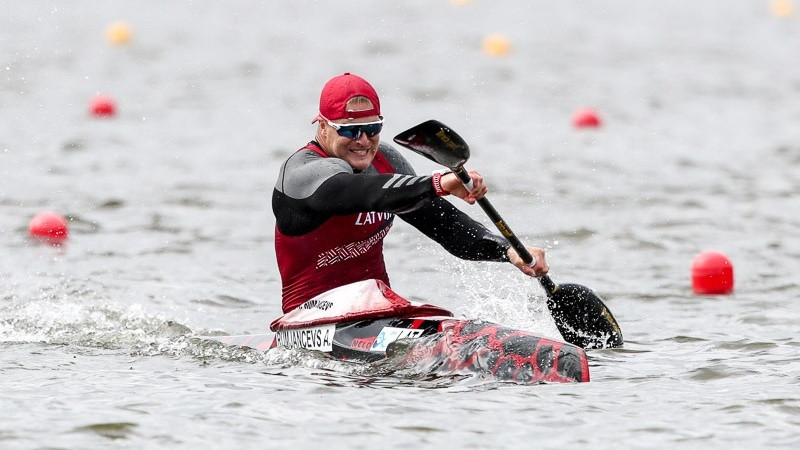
point(496, 45)
point(119, 33)
point(782, 8)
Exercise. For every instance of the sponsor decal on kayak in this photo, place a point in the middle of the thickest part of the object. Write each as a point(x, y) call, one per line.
point(363, 343)
point(319, 338)
point(391, 334)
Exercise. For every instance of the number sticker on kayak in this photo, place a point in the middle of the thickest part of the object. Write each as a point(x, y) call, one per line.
point(320, 338)
point(391, 334)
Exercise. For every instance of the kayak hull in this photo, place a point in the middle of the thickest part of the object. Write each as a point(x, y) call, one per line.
point(451, 345)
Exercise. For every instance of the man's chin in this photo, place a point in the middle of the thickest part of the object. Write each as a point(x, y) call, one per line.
point(360, 163)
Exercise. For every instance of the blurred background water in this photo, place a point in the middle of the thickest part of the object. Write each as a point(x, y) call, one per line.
point(171, 231)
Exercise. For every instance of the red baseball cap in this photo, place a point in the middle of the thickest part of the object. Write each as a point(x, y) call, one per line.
point(339, 90)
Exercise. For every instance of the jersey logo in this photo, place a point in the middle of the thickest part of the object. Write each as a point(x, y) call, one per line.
point(399, 180)
point(351, 250)
point(368, 218)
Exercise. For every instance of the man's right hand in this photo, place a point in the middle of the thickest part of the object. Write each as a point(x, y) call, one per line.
point(539, 269)
point(453, 185)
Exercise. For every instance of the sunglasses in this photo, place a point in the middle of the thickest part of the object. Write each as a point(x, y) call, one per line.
point(353, 131)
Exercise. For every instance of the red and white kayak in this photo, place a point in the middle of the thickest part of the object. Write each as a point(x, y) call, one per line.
point(367, 321)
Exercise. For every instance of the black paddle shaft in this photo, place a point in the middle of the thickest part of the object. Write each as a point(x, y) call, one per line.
point(505, 230)
point(498, 221)
point(580, 315)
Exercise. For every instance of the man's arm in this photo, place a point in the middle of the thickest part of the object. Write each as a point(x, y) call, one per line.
point(458, 233)
point(310, 189)
point(454, 230)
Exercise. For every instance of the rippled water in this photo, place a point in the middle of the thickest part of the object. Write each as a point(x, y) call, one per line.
point(171, 229)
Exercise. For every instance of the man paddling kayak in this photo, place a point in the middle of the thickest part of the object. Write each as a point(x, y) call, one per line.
point(335, 200)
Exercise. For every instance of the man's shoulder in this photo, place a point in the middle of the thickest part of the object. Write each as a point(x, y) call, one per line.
point(398, 162)
point(305, 170)
point(306, 158)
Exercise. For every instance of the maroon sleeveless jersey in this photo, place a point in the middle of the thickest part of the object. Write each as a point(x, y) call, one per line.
point(343, 250)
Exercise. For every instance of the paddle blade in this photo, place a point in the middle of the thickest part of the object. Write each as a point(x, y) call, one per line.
point(582, 318)
point(437, 142)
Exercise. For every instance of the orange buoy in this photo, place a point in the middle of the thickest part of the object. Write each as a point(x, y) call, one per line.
point(782, 8)
point(496, 45)
point(712, 273)
point(119, 33)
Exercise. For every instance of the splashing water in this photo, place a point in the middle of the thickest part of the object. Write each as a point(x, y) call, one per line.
point(511, 299)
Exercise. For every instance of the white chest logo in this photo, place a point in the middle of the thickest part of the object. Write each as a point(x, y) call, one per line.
point(368, 218)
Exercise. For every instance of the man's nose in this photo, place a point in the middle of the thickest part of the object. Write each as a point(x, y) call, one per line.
point(362, 136)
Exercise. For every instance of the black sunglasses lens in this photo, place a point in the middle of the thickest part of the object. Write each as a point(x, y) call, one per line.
point(354, 131)
point(372, 129)
point(346, 131)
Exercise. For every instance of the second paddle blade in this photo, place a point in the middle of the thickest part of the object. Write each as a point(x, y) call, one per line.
point(582, 318)
point(437, 142)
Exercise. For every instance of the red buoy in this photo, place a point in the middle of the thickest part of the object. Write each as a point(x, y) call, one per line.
point(586, 118)
point(49, 227)
point(712, 273)
point(103, 106)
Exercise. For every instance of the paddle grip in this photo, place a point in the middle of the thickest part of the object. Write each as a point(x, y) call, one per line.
point(498, 221)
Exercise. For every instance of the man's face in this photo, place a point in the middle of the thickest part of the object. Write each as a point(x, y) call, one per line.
point(358, 152)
